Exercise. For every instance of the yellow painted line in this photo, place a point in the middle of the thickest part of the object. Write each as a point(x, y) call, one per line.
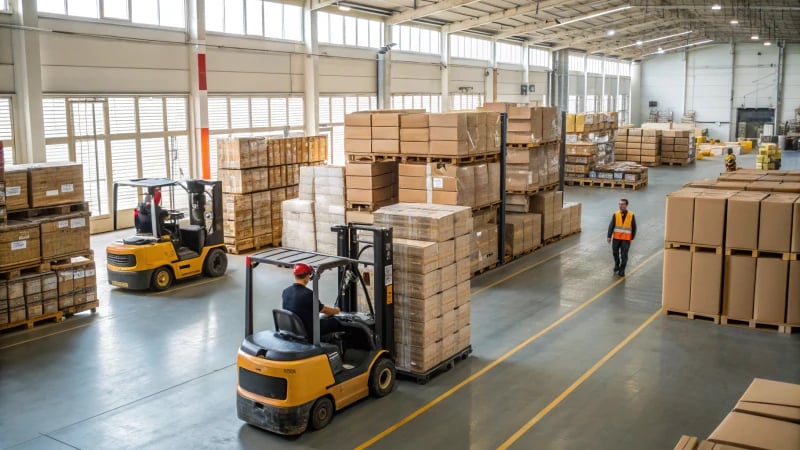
point(523, 270)
point(497, 361)
point(182, 286)
point(525, 428)
point(45, 336)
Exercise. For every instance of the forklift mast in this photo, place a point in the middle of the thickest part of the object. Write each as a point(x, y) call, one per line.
point(198, 189)
point(349, 247)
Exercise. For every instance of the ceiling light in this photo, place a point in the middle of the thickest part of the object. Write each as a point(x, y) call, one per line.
point(734, 22)
point(660, 50)
point(343, 7)
point(640, 42)
point(591, 16)
point(768, 43)
point(754, 37)
point(611, 32)
point(716, 7)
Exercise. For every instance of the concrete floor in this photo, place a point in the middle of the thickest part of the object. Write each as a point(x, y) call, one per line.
point(158, 371)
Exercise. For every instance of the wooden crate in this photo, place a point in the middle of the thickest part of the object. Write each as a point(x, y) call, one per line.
point(240, 153)
point(55, 183)
point(244, 181)
point(63, 235)
point(16, 181)
point(19, 244)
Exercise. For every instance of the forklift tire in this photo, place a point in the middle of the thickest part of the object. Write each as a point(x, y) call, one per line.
point(321, 413)
point(216, 263)
point(162, 279)
point(382, 378)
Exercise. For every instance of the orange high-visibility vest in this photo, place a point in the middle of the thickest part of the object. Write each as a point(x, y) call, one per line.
point(623, 231)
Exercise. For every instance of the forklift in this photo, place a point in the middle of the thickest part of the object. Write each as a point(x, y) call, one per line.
point(291, 379)
point(165, 249)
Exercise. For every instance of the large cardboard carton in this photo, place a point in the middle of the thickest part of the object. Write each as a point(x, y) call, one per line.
point(419, 121)
point(775, 229)
point(387, 133)
point(771, 285)
point(796, 228)
point(709, 218)
point(749, 431)
point(55, 183)
point(706, 290)
point(676, 286)
point(741, 226)
point(63, 235)
point(16, 180)
point(771, 399)
point(240, 153)
point(19, 243)
point(358, 119)
point(740, 287)
point(793, 295)
point(680, 216)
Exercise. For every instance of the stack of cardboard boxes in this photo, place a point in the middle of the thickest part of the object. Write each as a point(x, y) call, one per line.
point(3, 216)
point(641, 146)
point(532, 125)
point(591, 123)
point(308, 220)
point(766, 416)
point(550, 206)
point(734, 254)
point(622, 172)
point(532, 169)
point(369, 187)
point(580, 159)
point(523, 233)
point(473, 185)
point(677, 147)
point(431, 288)
point(257, 174)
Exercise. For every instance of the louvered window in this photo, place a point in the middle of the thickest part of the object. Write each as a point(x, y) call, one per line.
point(465, 102)
point(6, 128)
point(331, 118)
point(430, 103)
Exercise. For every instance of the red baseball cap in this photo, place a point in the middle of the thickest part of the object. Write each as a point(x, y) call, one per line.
point(301, 269)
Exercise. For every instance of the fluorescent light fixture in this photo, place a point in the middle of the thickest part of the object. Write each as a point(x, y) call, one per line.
point(754, 37)
point(343, 7)
point(590, 16)
point(611, 32)
point(734, 22)
point(767, 43)
point(654, 40)
point(662, 51)
point(716, 7)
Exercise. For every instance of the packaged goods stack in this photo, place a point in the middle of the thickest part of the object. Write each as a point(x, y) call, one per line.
point(619, 174)
point(48, 226)
point(415, 134)
point(307, 220)
point(571, 214)
point(733, 254)
point(523, 233)
point(378, 132)
point(431, 285)
point(3, 216)
point(598, 129)
point(369, 186)
point(641, 146)
point(677, 147)
point(580, 159)
point(769, 157)
point(764, 417)
point(257, 174)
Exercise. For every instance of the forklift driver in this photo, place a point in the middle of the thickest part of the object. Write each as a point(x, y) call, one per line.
point(299, 299)
point(141, 215)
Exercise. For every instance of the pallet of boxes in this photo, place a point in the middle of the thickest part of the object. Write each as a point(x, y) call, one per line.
point(431, 287)
point(732, 253)
point(677, 148)
point(46, 262)
point(257, 175)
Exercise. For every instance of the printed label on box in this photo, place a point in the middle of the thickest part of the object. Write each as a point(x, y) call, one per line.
point(19, 245)
point(63, 223)
point(89, 273)
point(387, 274)
point(67, 188)
point(13, 190)
point(78, 274)
point(51, 193)
point(438, 183)
point(77, 223)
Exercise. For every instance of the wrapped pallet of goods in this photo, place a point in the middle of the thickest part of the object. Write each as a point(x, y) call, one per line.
point(329, 206)
point(431, 275)
point(370, 186)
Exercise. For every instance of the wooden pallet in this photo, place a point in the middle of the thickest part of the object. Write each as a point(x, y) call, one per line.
point(447, 364)
point(57, 316)
point(691, 315)
point(368, 207)
point(681, 163)
point(606, 183)
point(492, 205)
point(49, 210)
point(756, 324)
point(485, 269)
point(75, 309)
point(545, 188)
point(695, 248)
point(453, 160)
point(250, 247)
point(29, 268)
point(677, 246)
point(67, 259)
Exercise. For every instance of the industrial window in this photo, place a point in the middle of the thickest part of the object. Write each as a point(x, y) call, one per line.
point(594, 65)
point(347, 30)
point(430, 103)
point(591, 103)
point(331, 120)
point(274, 20)
point(538, 57)
point(611, 68)
point(119, 138)
point(622, 108)
point(416, 39)
point(574, 104)
point(465, 102)
point(624, 69)
point(470, 47)
point(576, 63)
point(166, 13)
point(252, 115)
point(4, 5)
point(509, 53)
point(7, 130)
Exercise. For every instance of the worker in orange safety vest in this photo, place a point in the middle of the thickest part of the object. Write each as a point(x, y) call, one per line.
point(621, 232)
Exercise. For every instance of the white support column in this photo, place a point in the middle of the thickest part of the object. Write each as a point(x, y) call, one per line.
point(490, 79)
point(526, 70)
point(310, 70)
point(618, 93)
point(585, 82)
point(445, 71)
point(29, 117)
point(685, 81)
point(635, 96)
point(603, 90)
point(385, 68)
point(734, 126)
point(201, 141)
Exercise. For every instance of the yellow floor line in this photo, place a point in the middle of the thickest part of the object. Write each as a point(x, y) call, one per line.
point(525, 428)
point(499, 360)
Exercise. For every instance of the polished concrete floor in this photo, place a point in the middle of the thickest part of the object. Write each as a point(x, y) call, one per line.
point(566, 356)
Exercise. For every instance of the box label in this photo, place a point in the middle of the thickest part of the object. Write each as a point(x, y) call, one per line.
point(79, 222)
point(89, 273)
point(78, 274)
point(63, 224)
point(51, 193)
point(387, 275)
point(67, 188)
point(438, 183)
point(19, 245)
point(11, 191)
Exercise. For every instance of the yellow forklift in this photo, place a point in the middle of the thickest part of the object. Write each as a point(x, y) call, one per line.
point(165, 248)
point(291, 379)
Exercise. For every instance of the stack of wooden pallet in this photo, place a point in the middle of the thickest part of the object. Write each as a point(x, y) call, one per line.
point(257, 175)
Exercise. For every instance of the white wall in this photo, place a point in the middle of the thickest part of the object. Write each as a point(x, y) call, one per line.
point(662, 81)
point(708, 89)
point(791, 83)
point(509, 83)
point(6, 61)
point(416, 78)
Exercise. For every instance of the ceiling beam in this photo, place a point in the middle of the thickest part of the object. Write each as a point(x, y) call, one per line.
point(538, 27)
point(500, 15)
point(613, 46)
point(418, 13)
point(637, 52)
point(569, 35)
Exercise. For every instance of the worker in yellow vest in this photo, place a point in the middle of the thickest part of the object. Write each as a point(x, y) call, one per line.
point(621, 232)
point(730, 161)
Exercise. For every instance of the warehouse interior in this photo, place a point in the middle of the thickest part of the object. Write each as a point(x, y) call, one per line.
point(551, 346)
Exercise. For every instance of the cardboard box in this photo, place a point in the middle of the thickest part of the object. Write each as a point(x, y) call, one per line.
point(16, 181)
point(414, 148)
point(680, 216)
point(416, 256)
point(385, 119)
point(775, 229)
point(373, 182)
point(741, 226)
point(63, 235)
point(706, 283)
point(750, 431)
point(358, 119)
point(415, 134)
point(793, 295)
point(415, 284)
point(709, 218)
point(771, 399)
point(421, 334)
point(796, 228)
point(240, 153)
point(448, 148)
point(19, 243)
point(357, 132)
point(740, 287)
point(386, 146)
point(244, 181)
point(370, 169)
point(771, 286)
point(371, 196)
point(385, 133)
point(55, 183)
point(414, 121)
point(418, 310)
point(418, 359)
point(357, 146)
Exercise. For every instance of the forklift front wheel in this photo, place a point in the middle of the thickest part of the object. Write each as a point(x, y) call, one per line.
point(382, 378)
point(162, 279)
point(321, 413)
point(216, 263)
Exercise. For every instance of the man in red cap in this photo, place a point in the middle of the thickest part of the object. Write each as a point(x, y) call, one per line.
point(299, 299)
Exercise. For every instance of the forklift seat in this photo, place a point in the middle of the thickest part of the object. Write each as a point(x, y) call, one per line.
point(289, 324)
point(194, 237)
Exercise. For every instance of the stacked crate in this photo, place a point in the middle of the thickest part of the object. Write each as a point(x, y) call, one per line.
point(581, 158)
point(257, 175)
point(641, 146)
point(571, 214)
point(532, 169)
point(415, 134)
point(369, 186)
point(591, 123)
point(532, 125)
point(3, 216)
point(431, 286)
point(308, 220)
point(677, 147)
point(523, 233)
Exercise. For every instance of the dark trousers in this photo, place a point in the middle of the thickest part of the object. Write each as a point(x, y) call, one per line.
point(620, 249)
point(328, 325)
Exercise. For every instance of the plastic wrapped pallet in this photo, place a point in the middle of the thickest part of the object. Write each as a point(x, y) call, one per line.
point(329, 205)
point(299, 225)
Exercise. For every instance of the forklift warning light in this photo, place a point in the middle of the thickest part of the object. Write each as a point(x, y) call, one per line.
point(247, 261)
